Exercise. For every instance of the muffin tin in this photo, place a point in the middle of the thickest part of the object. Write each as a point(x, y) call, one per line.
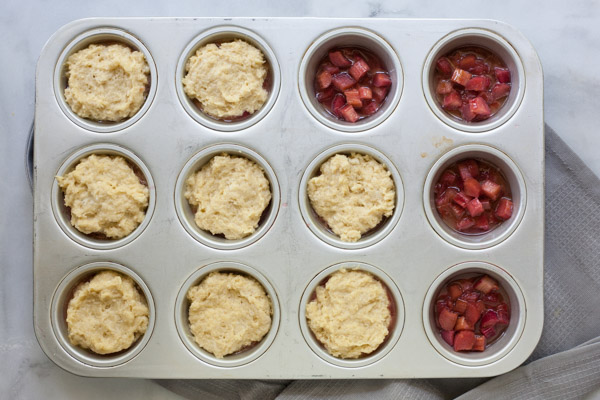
point(291, 252)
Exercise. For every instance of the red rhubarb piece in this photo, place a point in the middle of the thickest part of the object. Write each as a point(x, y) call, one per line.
point(479, 68)
point(482, 222)
point(461, 199)
point(379, 93)
point(485, 203)
point(448, 178)
point(465, 224)
point(359, 69)
point(452, 101)
point(492, 298)
point(467, 61)
point(488, 332)
point(444, 66)
point(503, 313)
point(463, 325)
point(381, 79)
point(466, 113)
point(479, 343)
point(349, 113)
point(504, 209)
point(343, 81)
point(324, 79)
point(457, 211)
point(337, 103)
point(485, 284)
point(440, 305)
point(490, 189)
point(454, 290)
point(474, 208)
point(446, 197)
point(472, 313)
point(470, 297)
point(443, 87)
point(370, 108)
point(468, 169)
point(332, 69)
point(464, 340)
point(338, 59)
point(478, 83)
point(326, 94)
point(448, 337)
point(460, 76)
point(460, 306)
point(353, 98)
point(479, 107)
point(489, 318)
point(502, 74)
point(466, 284)
point(500, 90)
point(472, 187)
point(447, 319)
point(365, 93)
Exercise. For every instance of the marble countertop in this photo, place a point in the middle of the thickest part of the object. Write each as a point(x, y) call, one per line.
point(565, 34)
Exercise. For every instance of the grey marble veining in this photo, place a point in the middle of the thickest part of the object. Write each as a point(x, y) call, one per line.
point(565, 34)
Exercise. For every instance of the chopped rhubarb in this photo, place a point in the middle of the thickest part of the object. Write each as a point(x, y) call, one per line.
point(464, 340)
point(488, 332)
point(448, 337)
point(474, 207)
point(485, 284)
point(479, 343)
point(452, 101)
point(479, 107)
point(472, 187)
point(463, 325)
point(472, 313)
point(447, 319)
point(349, 113)
point(500, 90)
point(465, 224)
point(353, 98)
point(325, 95)
point(466, 284)
point(343, 81)
point(461, 199)
point(457, 211)
point(337, 103)
point(490, 189)
point(460, 76)
point(338, 59)
point(444, 66)
point(324, 79)
point(332, 69)
point(482, 222)
point(504, 209)
point(478, 83)
point(454, 290)
point(446, 197)
point(479, 68)
point(460, 306)
point(466, 112)
point(468, 169)
point(359, 69)
point(467, 61)
point(502, 74)
point(379, 93)
point(448, 178)
point(370, 108)
point(381, 79)
point(489, 318)
point(444, 87)
point(365, 93)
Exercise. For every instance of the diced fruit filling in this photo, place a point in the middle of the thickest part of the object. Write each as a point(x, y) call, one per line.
point(352, 83)
point(471, 83)
point(473, 197)
point(472, 313)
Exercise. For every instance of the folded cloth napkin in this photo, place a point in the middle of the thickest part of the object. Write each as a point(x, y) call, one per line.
point(566, 362)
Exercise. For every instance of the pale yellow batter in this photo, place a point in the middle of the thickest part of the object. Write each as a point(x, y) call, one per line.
point(106, 82)
point(105, 196)
point(228, 312)
point(107, 314)
point(227, 79)
point(352, 194)
point(230, 194)
point(350, 315)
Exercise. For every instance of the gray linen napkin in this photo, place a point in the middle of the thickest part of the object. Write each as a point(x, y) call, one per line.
point(566, 362)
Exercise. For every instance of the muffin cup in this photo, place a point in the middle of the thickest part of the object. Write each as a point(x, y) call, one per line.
point(513, 177)
point(226, 34)
point(492, 42)
point(182, 306)
point(319, 227)
point(186, 214)
point(61, 212)
point(102, 35)
point(349, 37)
point(505, 343)
point(58, 309)
point(397, 319)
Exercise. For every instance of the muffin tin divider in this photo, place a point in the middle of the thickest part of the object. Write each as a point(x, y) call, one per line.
point(289, 255)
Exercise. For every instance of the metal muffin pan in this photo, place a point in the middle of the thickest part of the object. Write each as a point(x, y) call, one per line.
point(411, 253)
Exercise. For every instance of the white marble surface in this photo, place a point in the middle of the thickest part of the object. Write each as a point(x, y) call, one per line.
point(565, 34)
